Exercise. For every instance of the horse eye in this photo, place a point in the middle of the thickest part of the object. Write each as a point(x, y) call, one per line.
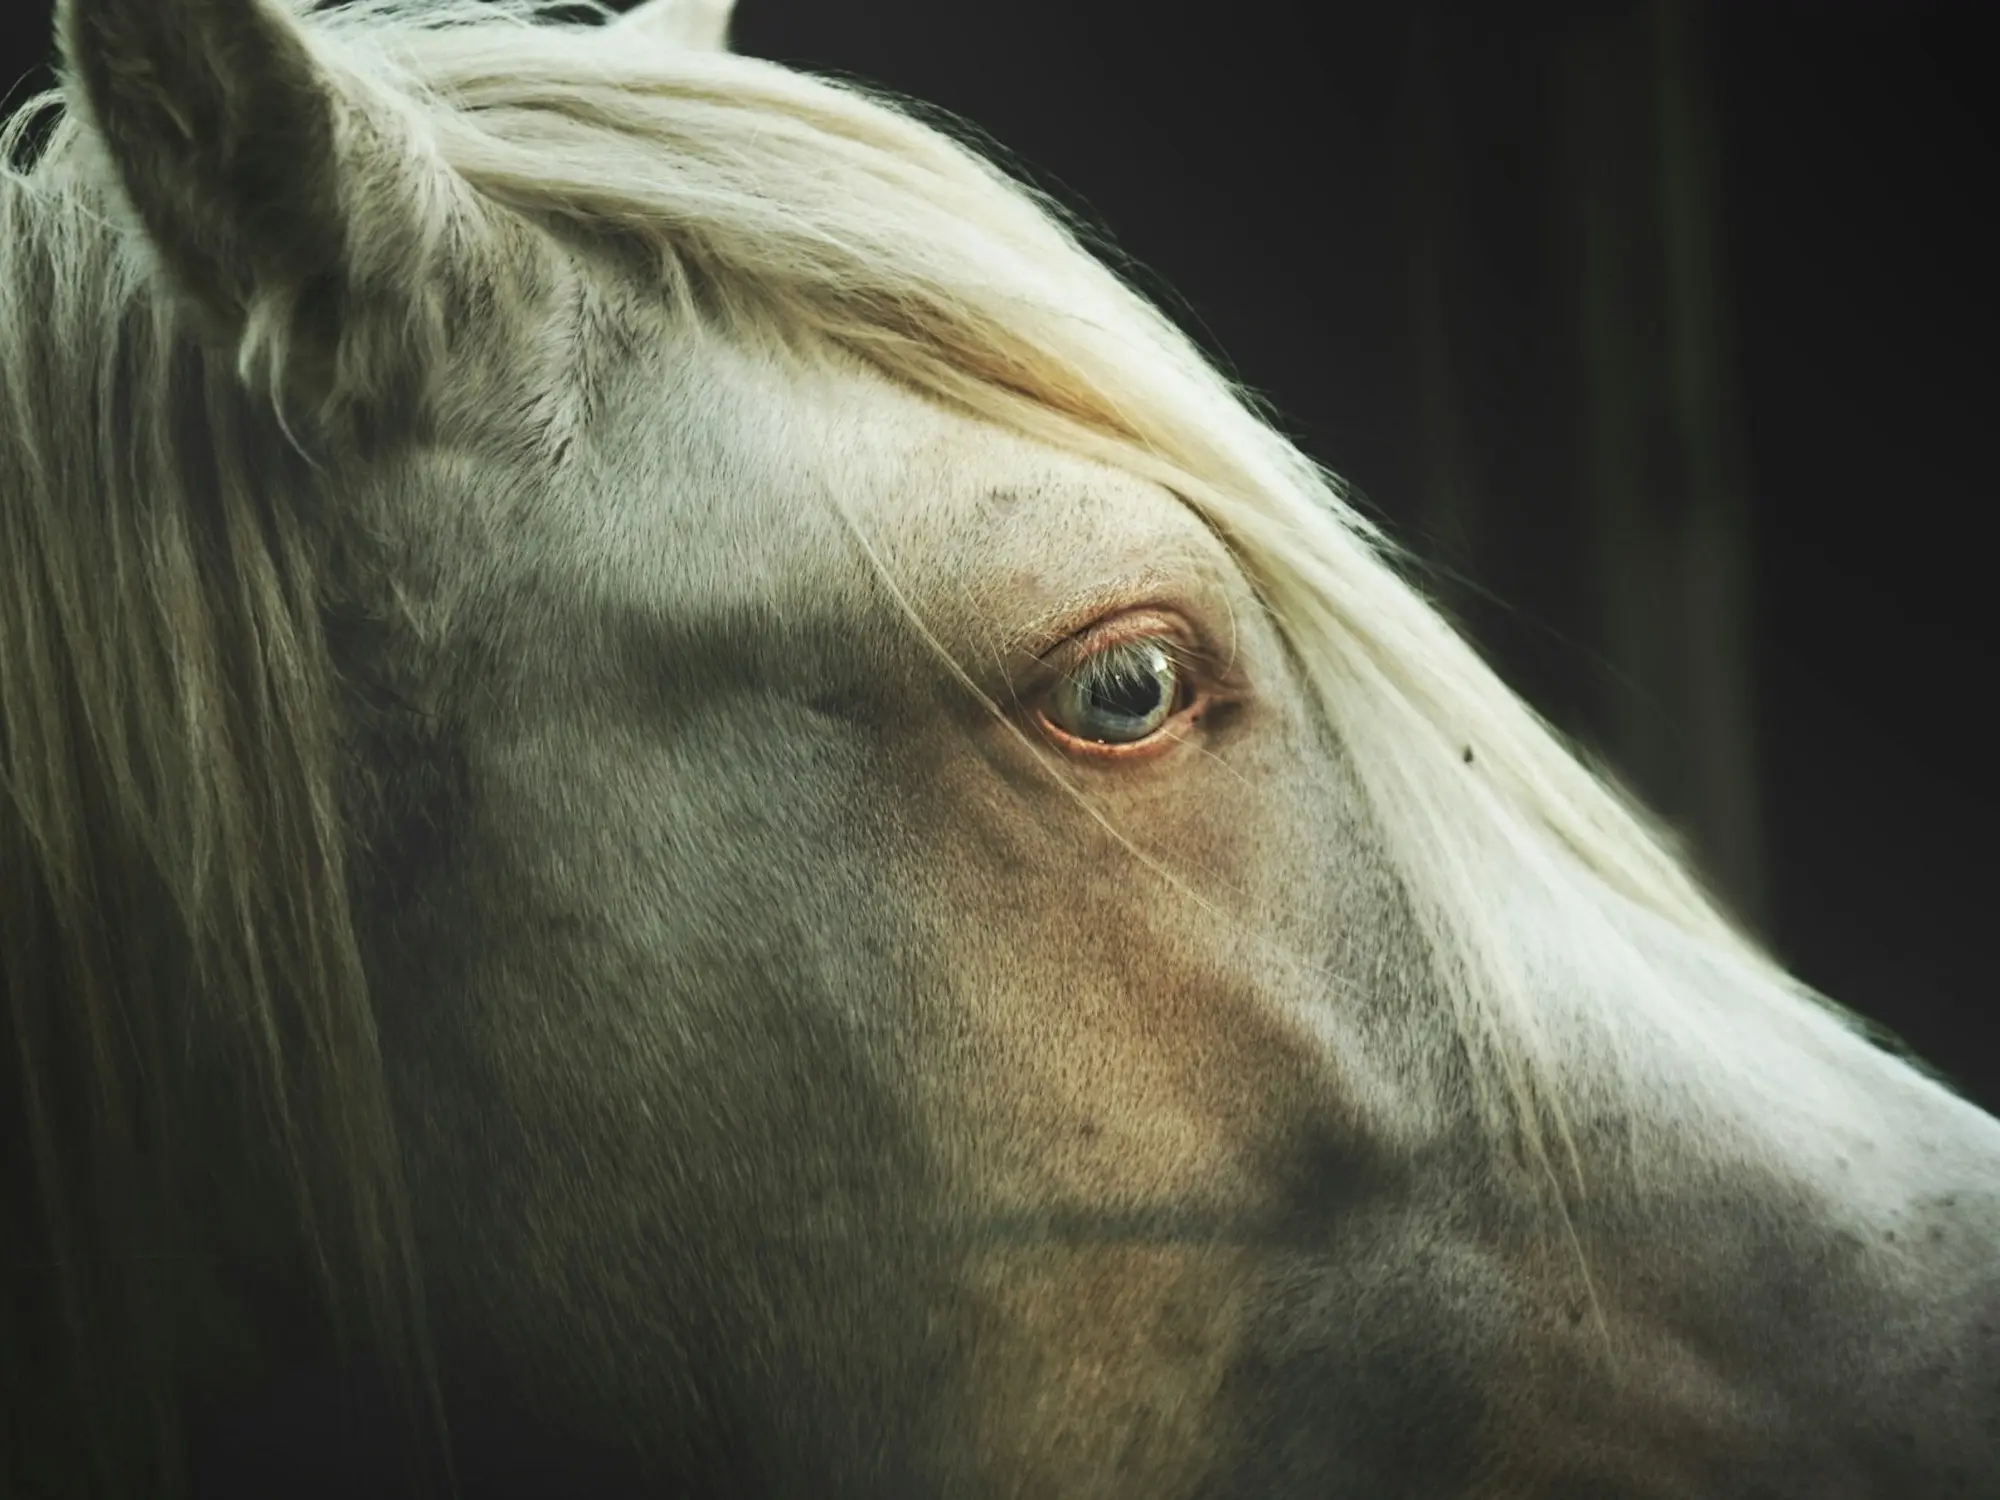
point(1118, 696)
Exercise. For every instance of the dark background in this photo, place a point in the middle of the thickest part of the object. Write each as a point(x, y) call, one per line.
point(1662, 331)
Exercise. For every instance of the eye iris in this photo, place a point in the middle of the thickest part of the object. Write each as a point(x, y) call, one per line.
point(1119, 695)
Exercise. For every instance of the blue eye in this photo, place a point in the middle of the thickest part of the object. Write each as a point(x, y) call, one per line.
point(1118, 696)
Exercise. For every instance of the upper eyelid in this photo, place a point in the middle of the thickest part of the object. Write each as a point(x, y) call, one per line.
point(1182, 641)
point(1083, 612)
point(1202, 626)
point(1077, 652)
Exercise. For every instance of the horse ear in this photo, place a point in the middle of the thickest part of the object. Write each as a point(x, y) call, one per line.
point(288, 204)
point(694, 25)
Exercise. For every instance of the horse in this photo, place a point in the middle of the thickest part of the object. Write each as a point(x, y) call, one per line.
point(671, 774)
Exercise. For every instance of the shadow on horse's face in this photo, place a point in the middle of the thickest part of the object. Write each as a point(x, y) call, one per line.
point(894, 976)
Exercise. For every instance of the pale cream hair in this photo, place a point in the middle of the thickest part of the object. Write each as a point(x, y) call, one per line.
point(822, 214)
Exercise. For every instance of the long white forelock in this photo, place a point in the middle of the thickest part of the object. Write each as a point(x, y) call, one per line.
point(829, 214)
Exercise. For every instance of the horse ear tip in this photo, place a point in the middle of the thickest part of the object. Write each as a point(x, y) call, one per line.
point(694, 25)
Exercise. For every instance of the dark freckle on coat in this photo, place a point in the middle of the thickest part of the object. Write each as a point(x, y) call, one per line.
point(1468, 755)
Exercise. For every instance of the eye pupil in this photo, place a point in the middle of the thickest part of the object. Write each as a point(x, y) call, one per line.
point(1127, 691)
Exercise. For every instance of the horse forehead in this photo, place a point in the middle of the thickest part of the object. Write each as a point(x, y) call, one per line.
point(769, 488)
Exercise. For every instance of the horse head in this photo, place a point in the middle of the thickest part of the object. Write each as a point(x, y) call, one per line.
point(828, 868)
